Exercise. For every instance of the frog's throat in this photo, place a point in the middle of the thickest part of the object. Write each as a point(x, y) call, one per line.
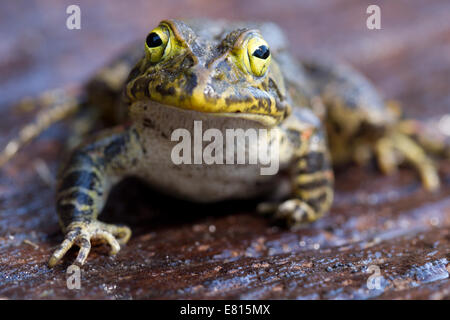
point(140, 106)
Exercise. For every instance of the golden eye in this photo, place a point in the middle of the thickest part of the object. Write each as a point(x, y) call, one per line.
point(258, 55)
point(157, 44)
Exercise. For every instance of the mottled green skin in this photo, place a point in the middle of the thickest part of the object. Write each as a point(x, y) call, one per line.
point(205, 76)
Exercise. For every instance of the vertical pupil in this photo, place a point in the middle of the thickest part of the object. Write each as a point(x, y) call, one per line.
point(153, 40)
point(262, 52)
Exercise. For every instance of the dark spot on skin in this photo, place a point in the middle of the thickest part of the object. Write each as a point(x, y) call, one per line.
point(314, 184)
point(80, 197)
point(147, 90)
point(140, 86)
point(191, 83)
point(261, 105)
point(247, 98)
point(159, 88)
point(274, 90)
point(315, 161)
point(316, 203)
point(235, 98)
point(69, 213)
point(148, 123)
point(188, 62)
point(133, 74)
point(135, 133)
point(294, 135)
point(165, 92)
point(337, 127)
point(77, 230)
point(79, 178)
point(115, 148)
point(254, 107)
point(133, 91)
point(82, 159)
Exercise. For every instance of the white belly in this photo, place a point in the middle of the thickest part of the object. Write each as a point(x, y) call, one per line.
point(199, 182)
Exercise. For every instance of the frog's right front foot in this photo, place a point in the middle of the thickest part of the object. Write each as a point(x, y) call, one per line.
point(83, 234)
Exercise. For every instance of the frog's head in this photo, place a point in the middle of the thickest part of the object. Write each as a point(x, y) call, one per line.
point(231, 74)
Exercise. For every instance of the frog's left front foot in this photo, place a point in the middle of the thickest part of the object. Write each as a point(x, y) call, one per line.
point(397, 147)
point(296, 213)
point(312, 191)
point(83, 233)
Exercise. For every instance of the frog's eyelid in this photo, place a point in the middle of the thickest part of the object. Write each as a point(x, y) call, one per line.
point(245, 36)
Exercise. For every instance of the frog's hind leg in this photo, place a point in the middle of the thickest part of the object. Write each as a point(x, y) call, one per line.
point(361, 124)
point(399, 146)
point(429, 134)
point(55, 105)
point(351, 104)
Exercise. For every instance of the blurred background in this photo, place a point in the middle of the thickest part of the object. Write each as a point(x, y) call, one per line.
point(406, 59)
point(226, 250)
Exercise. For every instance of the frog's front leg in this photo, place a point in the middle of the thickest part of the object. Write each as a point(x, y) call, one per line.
point(311, 178)
point(83, 188)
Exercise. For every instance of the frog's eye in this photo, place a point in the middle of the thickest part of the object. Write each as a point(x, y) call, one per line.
point(258, 55)
point(157, 44)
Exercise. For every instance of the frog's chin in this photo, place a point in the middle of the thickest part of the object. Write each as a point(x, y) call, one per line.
point(262, 119)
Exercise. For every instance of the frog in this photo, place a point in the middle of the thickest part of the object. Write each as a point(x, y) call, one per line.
point(226, 74)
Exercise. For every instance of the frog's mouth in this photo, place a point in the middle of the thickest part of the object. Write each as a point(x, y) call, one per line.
point(266, 120)
point(143, 106)
point(263, 119)
point(244, 102)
